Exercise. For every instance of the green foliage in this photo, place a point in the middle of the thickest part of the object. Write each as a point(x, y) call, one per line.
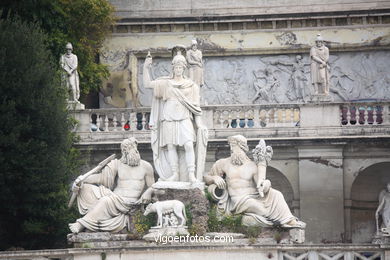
point(143, 223)
point(84, 23)
point(36, 155)
point(230, 223)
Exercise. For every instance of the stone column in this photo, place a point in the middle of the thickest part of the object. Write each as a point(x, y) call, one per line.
point(321, 192)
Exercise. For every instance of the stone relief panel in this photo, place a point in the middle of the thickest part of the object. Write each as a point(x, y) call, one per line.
point(268, 79)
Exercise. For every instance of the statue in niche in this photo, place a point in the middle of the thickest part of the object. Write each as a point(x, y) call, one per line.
point(70, 76)
point(297, 82)
point(248, 191)
point(265, 91)
point(319, 55)
point(195, 64)
point(105, 198)
point(382, 213)
point(176, 123)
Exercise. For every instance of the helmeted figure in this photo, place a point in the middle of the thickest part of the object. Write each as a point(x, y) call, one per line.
point(70, 76)
point(319, 55)
point(195, 64)
point(176, 125)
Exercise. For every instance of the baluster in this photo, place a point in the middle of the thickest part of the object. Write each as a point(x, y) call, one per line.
point(144, 121)
point(238, 118)
point(349, 115)
point(98, 122)
point(221, 119)
point(90, 122)
point(341, 115)
point(275, 117)
point(115, 122)
point(374, 115)
point(284, 119)
point(229, 119)
point(385, 115)
point(365, 115)
point(123, 122)
point(106, 123)
point(246, 120)
point(267, 112)
point(256, 118)
point(291, 122)
point(133, 120)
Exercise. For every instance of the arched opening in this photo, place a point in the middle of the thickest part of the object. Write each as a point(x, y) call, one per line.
point(364, 195)
point(281, 183)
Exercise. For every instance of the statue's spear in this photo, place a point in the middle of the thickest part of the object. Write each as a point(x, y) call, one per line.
point(93, 171)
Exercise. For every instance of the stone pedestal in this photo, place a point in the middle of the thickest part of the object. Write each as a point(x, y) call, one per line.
point(321, 98)
point(192, 195)
point(155, 234)
point(73, 105)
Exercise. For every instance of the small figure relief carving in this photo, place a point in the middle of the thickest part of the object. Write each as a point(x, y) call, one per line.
point(341, 84)
point(266, 85)
point(70, 76)
point(248, 191)
point(297, 84)
point(320, 68)
point(382, 214)
point(170, 213)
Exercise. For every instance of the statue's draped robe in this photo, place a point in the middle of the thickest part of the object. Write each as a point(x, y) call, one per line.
point(385, 212)
point(172, 120)
point(195, 71)
point(69, 63)
point(103, 209)
point(319, 73)
point(274, 207)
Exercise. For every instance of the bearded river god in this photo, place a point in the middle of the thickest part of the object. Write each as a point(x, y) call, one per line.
point(105, 198)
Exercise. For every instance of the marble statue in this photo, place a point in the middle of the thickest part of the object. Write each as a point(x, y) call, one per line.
point(248, 191)
point(105, 198)
point(70, 76)
point(383, 210)
point(170, 210)
point(176, 124)
point(319, 55)
point(195, 64)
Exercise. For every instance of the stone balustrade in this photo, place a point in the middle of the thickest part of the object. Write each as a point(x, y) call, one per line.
point(237, 250)
point(313, 120)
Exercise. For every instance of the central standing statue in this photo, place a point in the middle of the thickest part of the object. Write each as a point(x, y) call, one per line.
point(176, 124)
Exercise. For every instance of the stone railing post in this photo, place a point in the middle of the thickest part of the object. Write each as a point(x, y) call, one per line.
point(83, 120)
point(319, 115)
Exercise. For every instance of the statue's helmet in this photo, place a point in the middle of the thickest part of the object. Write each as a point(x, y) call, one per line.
point(240, 141)
point(179, 59)
point(319, 38)
point(194, 42)
point(69, 46)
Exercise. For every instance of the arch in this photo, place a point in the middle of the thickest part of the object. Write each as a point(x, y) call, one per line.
point(364, 200)
point(282, 184)
point(353, 168)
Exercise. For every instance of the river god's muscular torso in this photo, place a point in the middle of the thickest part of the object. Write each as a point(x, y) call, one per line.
point(240, 179)
point(130, 181)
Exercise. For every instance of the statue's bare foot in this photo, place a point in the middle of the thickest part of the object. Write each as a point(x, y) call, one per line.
point(295, 223)
point(76, 227)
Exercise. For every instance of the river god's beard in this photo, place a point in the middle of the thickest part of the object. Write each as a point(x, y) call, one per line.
point(131, 157)
point(238, 157)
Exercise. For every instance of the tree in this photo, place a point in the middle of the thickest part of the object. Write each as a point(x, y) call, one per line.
point(36, 154)
point(84, 23)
